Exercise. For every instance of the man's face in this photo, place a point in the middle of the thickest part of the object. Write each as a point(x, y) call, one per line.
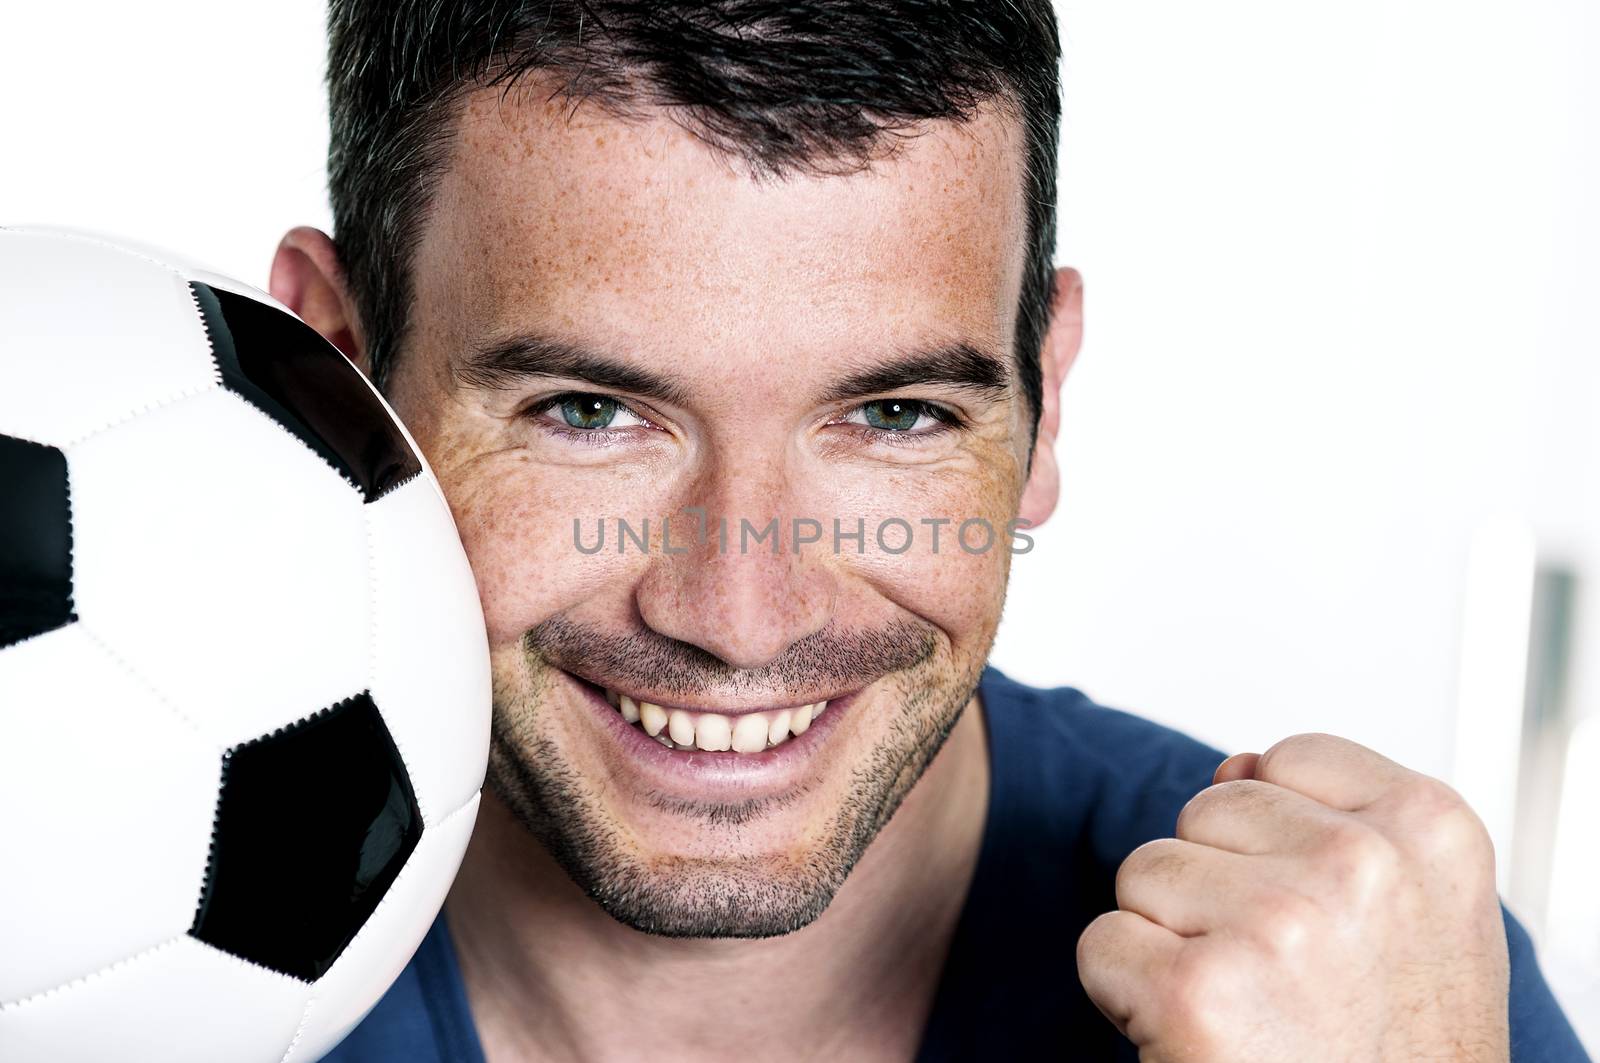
point(613, 323)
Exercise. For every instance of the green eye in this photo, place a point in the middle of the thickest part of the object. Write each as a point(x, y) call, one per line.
point(892, 415)
point(588, 411)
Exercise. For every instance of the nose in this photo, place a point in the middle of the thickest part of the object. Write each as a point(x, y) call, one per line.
point(729, 592)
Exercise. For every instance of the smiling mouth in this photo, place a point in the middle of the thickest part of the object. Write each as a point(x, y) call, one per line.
point(713, 732)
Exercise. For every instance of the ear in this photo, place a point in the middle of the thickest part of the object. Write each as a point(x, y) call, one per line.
point(1060, 350)
point(309, 279)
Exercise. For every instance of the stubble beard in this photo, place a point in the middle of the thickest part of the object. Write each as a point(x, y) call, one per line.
point(732, 898)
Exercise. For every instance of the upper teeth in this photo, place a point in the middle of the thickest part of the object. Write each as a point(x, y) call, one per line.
point(749, 732)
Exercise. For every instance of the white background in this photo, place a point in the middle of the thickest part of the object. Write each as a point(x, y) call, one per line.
point(1339, 265)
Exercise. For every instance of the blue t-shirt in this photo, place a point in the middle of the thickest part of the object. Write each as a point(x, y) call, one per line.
point(1074, 788)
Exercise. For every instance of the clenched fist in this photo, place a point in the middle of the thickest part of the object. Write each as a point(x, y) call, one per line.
point(1319, 903)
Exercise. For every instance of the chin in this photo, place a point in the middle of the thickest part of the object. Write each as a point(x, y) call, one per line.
point(673, 816)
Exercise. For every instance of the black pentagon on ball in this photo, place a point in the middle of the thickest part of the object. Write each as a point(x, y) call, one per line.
point(313, 824)
point(35, 540)
point(284, 368)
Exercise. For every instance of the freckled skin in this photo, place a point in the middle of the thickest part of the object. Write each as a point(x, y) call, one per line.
point(632, 237)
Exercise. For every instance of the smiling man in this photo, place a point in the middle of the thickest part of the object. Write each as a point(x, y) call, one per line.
point(731, 331)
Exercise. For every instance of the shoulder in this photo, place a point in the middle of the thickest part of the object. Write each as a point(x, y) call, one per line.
point(1069, 718)
point(1114, 778)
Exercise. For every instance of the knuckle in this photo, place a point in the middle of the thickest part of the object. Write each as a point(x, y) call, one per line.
point(1359, 860)
point(1457, 832)
point(1100, 943)
point(1422, 796)
point(1217, 799)
point(1193, 813)
point(1196, 1001)
point(1092, 943)
point(1154, 860)
point(1284, 924)
point(1285, 752)
point(1443, 825)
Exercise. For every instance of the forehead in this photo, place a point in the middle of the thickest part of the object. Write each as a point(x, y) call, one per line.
point(633, 231)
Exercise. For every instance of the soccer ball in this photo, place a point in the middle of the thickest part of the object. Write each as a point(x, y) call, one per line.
point(244, 681)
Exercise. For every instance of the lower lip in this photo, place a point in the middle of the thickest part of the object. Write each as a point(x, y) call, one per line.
point(750, 774)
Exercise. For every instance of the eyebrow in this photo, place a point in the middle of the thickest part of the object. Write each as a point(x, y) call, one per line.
point(507, 363)
point(957, 365)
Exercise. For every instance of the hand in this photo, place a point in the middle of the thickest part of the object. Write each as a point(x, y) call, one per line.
point(1319, 903)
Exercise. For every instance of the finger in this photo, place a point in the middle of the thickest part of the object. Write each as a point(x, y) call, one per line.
point(1335, 771)
point(1254, 818)
point(1238, 766)
point(1189, 889)
point(1121, 957)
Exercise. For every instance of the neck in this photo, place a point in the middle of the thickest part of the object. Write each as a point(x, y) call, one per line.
point(549, 975)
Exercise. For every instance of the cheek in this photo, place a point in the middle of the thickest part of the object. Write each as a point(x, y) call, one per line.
point(530, 533)
point(959, 592)
point(936, 543)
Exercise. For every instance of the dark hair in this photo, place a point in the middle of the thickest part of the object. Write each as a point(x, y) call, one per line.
point(820, 87)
